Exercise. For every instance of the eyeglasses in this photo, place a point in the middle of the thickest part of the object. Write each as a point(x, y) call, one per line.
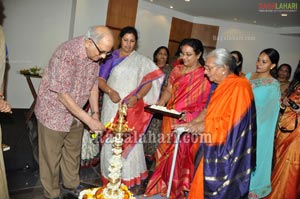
point(107, 54)
point(209, 68)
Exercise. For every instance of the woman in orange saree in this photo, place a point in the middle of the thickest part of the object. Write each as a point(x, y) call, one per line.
point(286, 173)
point(187, 92)
point(224, 164)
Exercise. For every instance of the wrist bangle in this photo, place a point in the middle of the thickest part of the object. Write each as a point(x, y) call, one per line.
point(96, 112)
point(282, 106)
point(2, 97)
point(108, 91)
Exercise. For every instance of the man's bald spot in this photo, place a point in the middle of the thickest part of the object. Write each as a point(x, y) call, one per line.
point(105, 31)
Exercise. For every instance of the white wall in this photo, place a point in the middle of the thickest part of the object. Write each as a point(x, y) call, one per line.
point(34, 28)
point(89, 13)
point(288, 47)
point(153, 24)
point(247, 38)
point(250, 40)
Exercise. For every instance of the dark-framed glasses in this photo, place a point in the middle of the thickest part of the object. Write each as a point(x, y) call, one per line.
point(107, 54)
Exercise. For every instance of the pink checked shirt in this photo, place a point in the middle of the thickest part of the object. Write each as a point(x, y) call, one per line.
point(69, 71)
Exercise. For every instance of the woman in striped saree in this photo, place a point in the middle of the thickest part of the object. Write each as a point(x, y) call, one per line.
point(286, 172)
point(223, 166)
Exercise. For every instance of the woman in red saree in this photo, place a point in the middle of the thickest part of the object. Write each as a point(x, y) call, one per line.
point(224, 164)
point(187, 92)
point(286, 172)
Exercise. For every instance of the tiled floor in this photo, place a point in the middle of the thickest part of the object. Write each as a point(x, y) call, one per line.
point(21, 167)
point(25, 183)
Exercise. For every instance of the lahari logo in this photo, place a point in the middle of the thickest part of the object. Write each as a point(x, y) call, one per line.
point(278, 7)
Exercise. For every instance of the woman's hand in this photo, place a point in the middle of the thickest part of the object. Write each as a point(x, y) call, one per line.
point(132, 100)
point(160, 103)
point(285, 101)
point(114, 96)
point(297, 111)
point(194, 127)
point(183, 117)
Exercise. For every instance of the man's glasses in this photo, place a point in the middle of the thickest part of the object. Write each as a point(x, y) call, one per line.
point(107, 54)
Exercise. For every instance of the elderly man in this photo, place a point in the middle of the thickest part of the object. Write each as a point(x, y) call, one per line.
point(69, 81)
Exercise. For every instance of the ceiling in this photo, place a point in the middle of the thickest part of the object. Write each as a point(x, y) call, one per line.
point(243, 11)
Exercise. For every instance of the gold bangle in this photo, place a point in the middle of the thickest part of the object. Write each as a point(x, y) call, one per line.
point(282, 106)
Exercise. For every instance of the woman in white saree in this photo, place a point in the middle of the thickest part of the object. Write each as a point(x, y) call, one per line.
point(130, 78)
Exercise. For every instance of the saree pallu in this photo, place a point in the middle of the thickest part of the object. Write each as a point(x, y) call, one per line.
point(286, 173)
point(127, 78)
point(136, 117)
point(153, 131)
point(189, 94)
point(225, 164)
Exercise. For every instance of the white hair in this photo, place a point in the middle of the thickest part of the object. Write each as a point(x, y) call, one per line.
point(93, 34)
point(223, 57)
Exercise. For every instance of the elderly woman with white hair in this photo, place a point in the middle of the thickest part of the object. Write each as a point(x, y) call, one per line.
point(224, 164)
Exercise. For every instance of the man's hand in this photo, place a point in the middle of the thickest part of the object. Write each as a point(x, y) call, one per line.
point(95, 125)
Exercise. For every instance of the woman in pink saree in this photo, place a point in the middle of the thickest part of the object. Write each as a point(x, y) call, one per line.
point(187, 92)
